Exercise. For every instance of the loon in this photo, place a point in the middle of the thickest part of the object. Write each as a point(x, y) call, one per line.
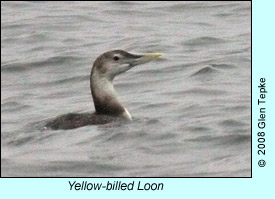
point(107, 106)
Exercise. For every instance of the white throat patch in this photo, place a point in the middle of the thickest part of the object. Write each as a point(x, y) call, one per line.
point(126, 114)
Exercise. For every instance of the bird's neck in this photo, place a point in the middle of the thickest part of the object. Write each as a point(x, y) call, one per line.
point(105, 97)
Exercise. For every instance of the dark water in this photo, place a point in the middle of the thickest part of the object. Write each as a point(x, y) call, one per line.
point(191, 108)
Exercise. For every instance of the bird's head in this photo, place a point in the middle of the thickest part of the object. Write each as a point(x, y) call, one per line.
point(113, 63)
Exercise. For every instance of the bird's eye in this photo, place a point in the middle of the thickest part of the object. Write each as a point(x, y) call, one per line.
point(116, 58)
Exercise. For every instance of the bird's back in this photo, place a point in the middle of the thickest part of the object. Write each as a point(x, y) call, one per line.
point(75, 120)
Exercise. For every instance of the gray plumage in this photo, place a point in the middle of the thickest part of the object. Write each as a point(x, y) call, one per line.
point(107, 106)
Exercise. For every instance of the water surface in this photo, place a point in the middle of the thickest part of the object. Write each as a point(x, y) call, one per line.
point(191, 108)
